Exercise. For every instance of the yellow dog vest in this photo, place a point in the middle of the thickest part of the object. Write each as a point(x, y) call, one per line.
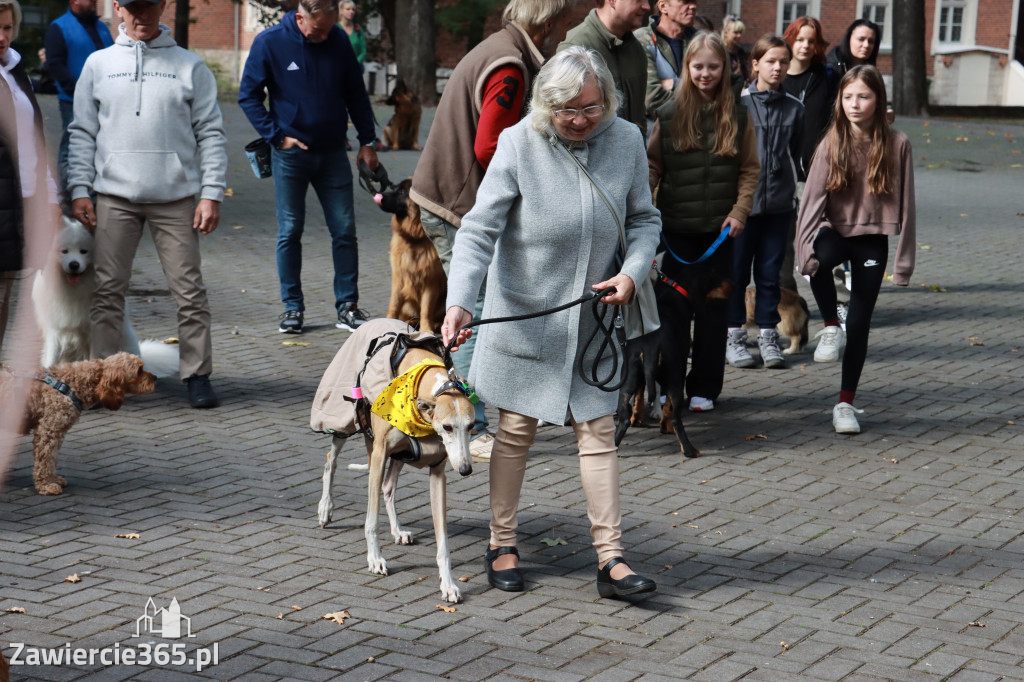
point(396, 404)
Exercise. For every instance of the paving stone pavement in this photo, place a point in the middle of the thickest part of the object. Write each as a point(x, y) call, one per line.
point(797, 554)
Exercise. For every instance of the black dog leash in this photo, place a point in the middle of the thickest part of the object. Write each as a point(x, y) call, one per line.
point(605, 333)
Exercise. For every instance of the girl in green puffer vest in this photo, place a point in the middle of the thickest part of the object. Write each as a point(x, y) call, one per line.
point(703, 162)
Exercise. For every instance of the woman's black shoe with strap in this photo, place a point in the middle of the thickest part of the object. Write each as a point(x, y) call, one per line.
point(631, 584)
point(510, 579)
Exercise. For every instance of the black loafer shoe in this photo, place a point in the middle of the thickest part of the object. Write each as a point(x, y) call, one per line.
point(631, 584)
point(200, 392)
point(509, 580)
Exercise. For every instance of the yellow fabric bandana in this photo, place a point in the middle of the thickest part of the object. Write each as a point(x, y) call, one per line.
point(396, 404)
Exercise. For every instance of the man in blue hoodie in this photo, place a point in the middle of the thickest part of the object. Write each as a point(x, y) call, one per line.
point(308, 68)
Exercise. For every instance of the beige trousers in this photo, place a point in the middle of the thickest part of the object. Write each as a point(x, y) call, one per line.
point(119, 229)
point(599, 471)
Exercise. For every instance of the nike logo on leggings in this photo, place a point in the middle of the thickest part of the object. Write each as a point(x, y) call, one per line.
point(870, 262)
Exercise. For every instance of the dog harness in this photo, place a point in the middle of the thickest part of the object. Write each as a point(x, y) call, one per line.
point(396, 403)
point(60, 387)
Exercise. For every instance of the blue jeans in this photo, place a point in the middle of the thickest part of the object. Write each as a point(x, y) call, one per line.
point(763, 245)
point(67, 113)
point(330, 174)
point(442, 235)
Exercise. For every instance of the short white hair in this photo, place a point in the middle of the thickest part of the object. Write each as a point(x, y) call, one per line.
point(562, 78)
point(531, 13)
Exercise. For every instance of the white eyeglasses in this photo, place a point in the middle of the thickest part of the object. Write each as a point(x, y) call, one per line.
point(595, 111)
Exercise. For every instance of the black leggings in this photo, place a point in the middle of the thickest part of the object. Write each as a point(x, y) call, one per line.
point(868, 255)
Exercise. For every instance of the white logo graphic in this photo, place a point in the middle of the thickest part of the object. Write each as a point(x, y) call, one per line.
point(870, 263)
point(170, 621)
point(293, 67)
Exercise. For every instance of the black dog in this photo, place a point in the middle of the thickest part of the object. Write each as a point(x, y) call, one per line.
point(661, 358)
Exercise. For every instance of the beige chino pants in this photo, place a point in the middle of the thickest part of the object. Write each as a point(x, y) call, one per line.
point(119, 229)
point(599, 471)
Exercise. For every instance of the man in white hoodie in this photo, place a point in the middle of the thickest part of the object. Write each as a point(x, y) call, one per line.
point(147, 139)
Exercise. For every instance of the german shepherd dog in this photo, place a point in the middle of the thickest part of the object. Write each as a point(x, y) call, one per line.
point(403, 130)
point(418, 283)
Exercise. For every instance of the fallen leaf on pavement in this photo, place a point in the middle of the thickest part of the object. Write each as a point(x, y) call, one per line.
point(446, 609)
point(296, 343)
point(280, 616)
point(14, 609)
point(784, 645)
point(73, 578)
point(128, 536)
point(338, 617)
point(755, 436)
point(463, 579)
point(296, 608)
point(977, 624)
point(552, 542)
point(370, 659)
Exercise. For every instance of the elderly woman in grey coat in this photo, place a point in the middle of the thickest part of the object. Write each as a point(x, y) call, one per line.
point(542, 235)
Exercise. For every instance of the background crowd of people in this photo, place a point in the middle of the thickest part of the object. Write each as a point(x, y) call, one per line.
point(733, 164)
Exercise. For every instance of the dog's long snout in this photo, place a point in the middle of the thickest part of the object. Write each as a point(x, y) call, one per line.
point(466, 469)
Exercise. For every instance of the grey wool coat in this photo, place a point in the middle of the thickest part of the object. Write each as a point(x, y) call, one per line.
point(542, 235)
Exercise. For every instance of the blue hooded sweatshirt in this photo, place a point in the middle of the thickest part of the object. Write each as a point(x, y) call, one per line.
point(313, 87)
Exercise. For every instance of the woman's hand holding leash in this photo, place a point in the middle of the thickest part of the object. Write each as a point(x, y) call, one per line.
point(454, 320)
point(623, 292)
point(735, 227)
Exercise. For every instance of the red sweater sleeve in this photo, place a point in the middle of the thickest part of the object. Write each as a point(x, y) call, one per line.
point(502, 103)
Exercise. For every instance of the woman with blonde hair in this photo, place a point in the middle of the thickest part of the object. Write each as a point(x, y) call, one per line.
point(860, 190)
point(702, 157)
point(732, 32)
point(347, 21)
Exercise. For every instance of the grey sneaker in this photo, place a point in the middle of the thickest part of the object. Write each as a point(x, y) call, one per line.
point(350, 317)
point(480, 448)
point(768, 343)
point(844, 418)
point(291, 322)
point(832, 339)
point(736, 352)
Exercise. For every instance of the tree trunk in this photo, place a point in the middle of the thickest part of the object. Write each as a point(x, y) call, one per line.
point(909, 69)
point(414, 48)
point(181, 21)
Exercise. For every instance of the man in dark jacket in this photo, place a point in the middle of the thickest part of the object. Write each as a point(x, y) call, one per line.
point(307, 66)
point(665, 40)
point(608, 29)
point(69, 40)
point(487, 92)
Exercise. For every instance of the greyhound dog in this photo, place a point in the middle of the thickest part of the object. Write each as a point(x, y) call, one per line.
point(442, 406)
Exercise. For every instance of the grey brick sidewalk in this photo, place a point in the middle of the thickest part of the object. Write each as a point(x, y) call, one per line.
point(892, 555)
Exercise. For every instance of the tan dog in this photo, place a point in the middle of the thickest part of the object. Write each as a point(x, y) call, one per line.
point(403, 130)
point(54, 406)
point(794, 314)
point(438, 402)
point(418, 282)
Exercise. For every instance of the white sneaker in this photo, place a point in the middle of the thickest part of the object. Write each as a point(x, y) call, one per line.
point(844, 418)
point(832, 339)
point(698, 404)
point(736, 353)
point(480, 448)
point(768, 343)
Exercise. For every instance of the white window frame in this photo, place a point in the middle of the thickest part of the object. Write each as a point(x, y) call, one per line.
point(813, 10)
point(886, 43)
point(967, 30)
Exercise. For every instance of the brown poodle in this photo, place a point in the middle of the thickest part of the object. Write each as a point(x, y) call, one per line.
point(57, 397)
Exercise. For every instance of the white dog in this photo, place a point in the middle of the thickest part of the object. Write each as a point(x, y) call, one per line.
point(62, 295)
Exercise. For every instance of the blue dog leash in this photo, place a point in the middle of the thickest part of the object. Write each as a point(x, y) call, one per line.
point(707, 254)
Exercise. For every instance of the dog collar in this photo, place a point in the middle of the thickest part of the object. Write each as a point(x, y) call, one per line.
point(460, 386)
point(60, 387)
